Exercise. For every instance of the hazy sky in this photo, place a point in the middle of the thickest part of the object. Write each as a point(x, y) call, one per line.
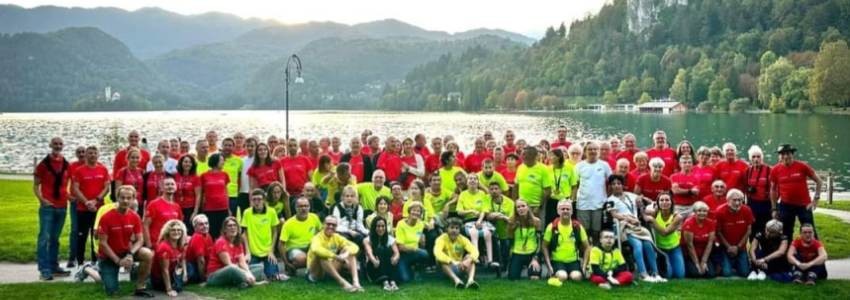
point(530, 17)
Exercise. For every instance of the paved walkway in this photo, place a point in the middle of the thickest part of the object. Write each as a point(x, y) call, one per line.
point(839, 268)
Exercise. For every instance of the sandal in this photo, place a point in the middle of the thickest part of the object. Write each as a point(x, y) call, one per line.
point(143, 293)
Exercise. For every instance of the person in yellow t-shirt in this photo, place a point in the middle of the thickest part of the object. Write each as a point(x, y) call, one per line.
point(456, 255)
point(410, 237)
point(534, 182)
point(330, 253)
point(296, 235)
point(260, 225)
point(489, 175)
point(369, 191)
point(336, 181)
point(473, 205)
point(562, 257)
point(501, 211)
point(607, 263)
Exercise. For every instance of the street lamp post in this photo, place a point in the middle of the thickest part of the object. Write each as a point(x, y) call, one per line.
point(298, 79)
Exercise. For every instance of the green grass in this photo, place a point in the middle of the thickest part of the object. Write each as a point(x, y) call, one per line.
point(837, 205)
point(439, 288)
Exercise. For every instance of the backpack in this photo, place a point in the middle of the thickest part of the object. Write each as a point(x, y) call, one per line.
point(576, 235)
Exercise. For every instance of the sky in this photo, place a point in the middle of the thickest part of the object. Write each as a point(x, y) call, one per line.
point(529, 17)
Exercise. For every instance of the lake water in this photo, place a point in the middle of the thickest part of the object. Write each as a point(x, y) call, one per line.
point(822, 140)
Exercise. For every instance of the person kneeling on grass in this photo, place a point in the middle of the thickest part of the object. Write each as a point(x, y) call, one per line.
point(228, 263)
point(456, 254)
point(607, 263)
point(807, 256)
point(330, 253)
point(120, 236)
point(169, 267)
point(767, 252)
point(199, 248)
point(261, 225)
point(565, 246)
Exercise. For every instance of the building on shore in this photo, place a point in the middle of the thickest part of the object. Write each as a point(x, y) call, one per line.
point(663, 107)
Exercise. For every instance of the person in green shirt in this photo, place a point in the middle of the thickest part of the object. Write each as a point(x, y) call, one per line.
point(233, 168)
point(565, 246)
point(410, 237)
point(474, 205)
point(202, 149)
point(523, 228)
point(489, 175)
point(607, 263)
point(455, 254)
point(369, 191)
point(260, 225)
point(501, 211)
point(565, 182)
point(448, 171)
point(534, 182)
point(434, 194)
point(323, 170)
point(296, 235)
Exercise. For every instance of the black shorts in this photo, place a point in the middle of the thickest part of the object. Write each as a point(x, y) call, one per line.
point(568, 267)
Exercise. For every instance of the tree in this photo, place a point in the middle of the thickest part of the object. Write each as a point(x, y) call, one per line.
point(628, 90)
point(644, 98)
point(830, 81)
point(718, 85)
point(679, 89)
point(796, 87)
point(701, 76)
point(771, 80)
point(649, 85)
point(521, 99)
point(610, 98)
point(767, 59)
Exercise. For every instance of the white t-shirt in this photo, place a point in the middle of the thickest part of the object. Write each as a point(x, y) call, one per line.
point(592, 190)
point(244, 180)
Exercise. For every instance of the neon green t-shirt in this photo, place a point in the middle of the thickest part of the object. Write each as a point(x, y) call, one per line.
point(496, 177)
point(202, 167)
point(532, 181)
point(478, 202)
point(566, 250)
point(607, 261)
point(367, 193)
point(259, 227)
point(438, 202)
point(507, 209)
point(525, 240)
point(426, 203)
point(409, 235)
point(447, 179)
point(298, 234)
point(564, 179)
point(232, 167)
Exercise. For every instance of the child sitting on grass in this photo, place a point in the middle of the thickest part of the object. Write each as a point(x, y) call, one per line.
point(607, 263)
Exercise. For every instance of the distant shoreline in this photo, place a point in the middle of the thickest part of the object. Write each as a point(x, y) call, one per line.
point(825, 111)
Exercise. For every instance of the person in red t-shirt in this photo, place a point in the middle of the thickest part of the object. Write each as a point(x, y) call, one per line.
point(335, 153)
point(698, 241)
point(373, 147)
point(808, 256)
point(214, 200)
point(432, 161)
point(475, 160)
point(615, 147)
point(732, 170)
point(605, 154)
point(50, 185)
point(263, 170)
point(420, 145)
point(296, 169)
point(734, 225)
point(120, 236)
point(685, 187)
point(630, 143)
point(228, 264)
point(80, 153)
point(121, 156)
point(622, 168)
point(239, 145)
point(132, 174)
point(198, 250)
point(313, 154)
point(161, 210)
point(411, 163)
point(790, 189)
point(169, 268)
point(91, 185)
point(663, 151)
point(153, 179)
point(508, 171)
point(361, 164)
point(389, 160)
point(757, 180)
point(703, 172)
point(188, 188)
point(650, 185)
point(561, 141)
point(717, 197)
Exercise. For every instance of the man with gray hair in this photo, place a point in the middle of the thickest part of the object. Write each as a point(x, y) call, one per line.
point(732, 170)
point(662, 150)
point(734, 224)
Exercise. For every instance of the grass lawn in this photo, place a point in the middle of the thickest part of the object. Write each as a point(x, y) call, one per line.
point(19, 226)
point(438, 288)
point(838, 205)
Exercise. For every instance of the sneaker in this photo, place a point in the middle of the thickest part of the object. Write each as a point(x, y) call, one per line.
point(70, 265)
point(810, 281)
point(753, 275)
point(61, 273)
point(648, 278)
point(45, 277)
point(81, 274)
point(761, 275)
point(387, 286)
point(605, 286)
point(659, 279)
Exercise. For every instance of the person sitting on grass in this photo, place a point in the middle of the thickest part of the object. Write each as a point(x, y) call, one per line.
point(501, 211)
point(607, 263)
point(410, 239)
point(734, 223)
point(767, 252)
point(807, 257)
point(296, 235)
point(330, 253)
point(456, 254)
point(228, 263)
point(698, 240)
point(565, 246)
point(522, 227)
point(261, 225)
point(121, 239)
point(169, 267)
point(382, 254)
point(199, 248)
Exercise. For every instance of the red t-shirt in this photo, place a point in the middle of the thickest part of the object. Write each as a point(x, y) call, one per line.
point(200, 245)
point(334, 156)
point(791, 182)
point(432, 163)
point(733, 226)
point(561, 144)
point(92, 181)
point(630, 155)
point(410, 160)
point(806, 253)
point(161, 211)
point(186, 189)
point(296, 171)
point(650, 189)
point(397, 210)
point(133, 178)
point(732, 173)
point(266, 174)
point(366, 150)
point(357, 169)
point(222, 245)
point(119, 230)
point(391, 164)
point(152, 185)
point(314, 162)
point(685, 181)
point(214, 185)
point(48, 181)
point(758, 178)
point(669, 157)
point(164, 251)
point(713, 203)
point(701, 233)
point(510, 176)
point(121, 160)
point(475, 161)
point(509, 148)
point(239, 152)
point(705, 177)
point(422, 151)
point(460, 159)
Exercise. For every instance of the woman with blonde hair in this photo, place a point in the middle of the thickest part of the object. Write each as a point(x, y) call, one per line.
point(169, 267)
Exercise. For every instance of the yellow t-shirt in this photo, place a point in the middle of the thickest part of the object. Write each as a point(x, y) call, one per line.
point(532, 181)
point(426, 203)
point(564, 179)
point(447, 179)
point(367, 193)
point(324, 247)
point(409, 235)
point(506, 208)
point(297, 233)
point(606, 261)
point(566, 251)
point(334, 188)
point(478, 202)
point(496, 177)
point(259, 227)
point(438, 202)
point(447, 251)
point(232, 167)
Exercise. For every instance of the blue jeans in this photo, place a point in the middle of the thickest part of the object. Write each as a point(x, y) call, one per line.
point(50, 223)
point(691, 269)
point(762, 213)
point(269, 269)
point(194, 273)
point(788, 214)
point(108, 275)
point(675, 263)
point(643, 252)
point(406, 262)
point(72, 237)
point(740, 262)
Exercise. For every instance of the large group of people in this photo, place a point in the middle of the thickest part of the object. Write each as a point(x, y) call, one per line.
point(245, 211)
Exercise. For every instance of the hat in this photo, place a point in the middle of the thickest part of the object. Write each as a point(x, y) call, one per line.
point(784, 148)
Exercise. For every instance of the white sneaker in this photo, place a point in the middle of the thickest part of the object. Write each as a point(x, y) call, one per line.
point(648, 278)
point(659, 279)
point(753, 275)
point(762, 275)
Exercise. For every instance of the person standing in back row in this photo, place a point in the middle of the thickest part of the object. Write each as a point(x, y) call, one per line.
point(50, 185)
point(788, 186)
